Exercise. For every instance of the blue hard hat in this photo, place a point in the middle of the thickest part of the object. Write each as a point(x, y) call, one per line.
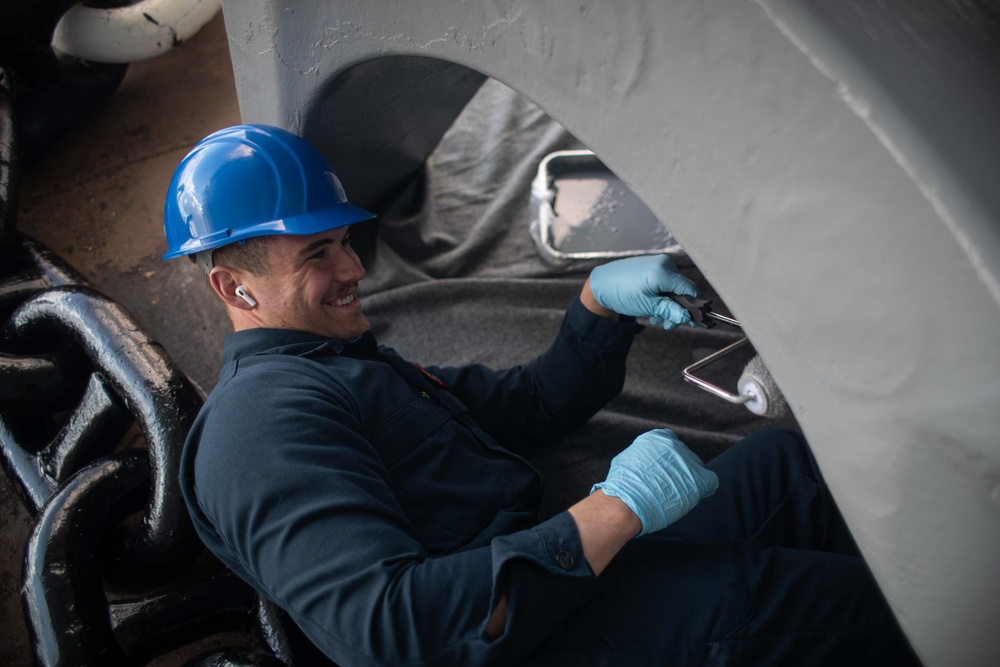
point(252, 180)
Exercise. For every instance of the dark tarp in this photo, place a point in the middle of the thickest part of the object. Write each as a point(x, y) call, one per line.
point(454, 278)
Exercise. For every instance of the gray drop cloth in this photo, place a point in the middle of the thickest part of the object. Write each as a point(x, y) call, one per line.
point(454, 278)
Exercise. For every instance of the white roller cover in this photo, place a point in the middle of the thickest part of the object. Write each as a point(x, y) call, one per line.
point(127, 34)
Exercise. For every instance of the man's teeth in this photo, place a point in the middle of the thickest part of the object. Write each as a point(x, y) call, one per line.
point(351, 298)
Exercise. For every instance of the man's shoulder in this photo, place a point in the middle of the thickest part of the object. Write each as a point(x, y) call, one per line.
point(280, 370)
point(241, 428)
point(267, 392)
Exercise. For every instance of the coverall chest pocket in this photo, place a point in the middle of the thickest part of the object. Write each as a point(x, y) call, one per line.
point(445, 482)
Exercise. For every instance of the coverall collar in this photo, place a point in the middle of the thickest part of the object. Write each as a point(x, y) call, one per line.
point(241, 344)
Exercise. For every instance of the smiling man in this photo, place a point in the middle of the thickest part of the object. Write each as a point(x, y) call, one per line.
point(389, 510)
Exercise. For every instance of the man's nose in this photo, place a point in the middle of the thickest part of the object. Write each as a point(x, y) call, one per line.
point(349, 268)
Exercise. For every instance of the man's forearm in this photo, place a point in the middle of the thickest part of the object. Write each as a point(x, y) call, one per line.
point(605, 524)
point(588, 300)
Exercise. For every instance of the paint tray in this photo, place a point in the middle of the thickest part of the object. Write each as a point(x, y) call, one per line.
point(583, 215)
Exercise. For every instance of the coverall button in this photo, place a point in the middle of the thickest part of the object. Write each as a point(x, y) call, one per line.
point(564, 559)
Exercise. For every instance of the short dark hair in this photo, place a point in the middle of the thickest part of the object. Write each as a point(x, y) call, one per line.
point(249, 255)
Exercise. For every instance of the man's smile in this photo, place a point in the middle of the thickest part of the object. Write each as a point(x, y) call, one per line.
point(346, 300)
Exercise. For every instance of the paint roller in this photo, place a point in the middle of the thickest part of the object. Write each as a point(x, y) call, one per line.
point(762, 393)
point(756, 388)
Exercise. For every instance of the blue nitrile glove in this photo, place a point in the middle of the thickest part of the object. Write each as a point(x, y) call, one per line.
point(659, 478)
point(636, 286)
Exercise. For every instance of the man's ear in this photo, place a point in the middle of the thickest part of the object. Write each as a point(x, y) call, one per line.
point(224, 281)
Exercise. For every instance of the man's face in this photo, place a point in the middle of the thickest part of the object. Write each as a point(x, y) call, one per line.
point(311, 285)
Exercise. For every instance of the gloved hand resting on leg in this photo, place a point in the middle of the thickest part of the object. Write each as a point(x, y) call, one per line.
point(659, 478)
point(636, 287)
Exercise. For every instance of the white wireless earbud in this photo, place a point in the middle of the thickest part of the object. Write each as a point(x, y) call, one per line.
point(242, 293)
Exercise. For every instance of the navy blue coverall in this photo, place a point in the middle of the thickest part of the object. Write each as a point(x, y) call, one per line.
point(387, 509)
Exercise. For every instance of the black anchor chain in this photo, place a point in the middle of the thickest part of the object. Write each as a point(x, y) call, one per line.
point(133, 376)
point(76, 371)
point(113, 572)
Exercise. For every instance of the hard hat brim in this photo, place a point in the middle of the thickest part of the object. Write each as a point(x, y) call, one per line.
point(314, 222)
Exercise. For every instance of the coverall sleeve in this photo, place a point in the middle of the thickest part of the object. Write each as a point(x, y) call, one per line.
point(301, 506)
point(535, 403)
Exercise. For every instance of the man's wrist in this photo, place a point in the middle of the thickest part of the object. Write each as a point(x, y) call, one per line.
point(589, 302)
point(605, 524)
point(618, 512)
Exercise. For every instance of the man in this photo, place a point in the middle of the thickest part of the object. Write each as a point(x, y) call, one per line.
point(387, 508)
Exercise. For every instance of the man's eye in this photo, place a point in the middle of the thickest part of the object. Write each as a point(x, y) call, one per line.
point(346, 241)
point(317, 255)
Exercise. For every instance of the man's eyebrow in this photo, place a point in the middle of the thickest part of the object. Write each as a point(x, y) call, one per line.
point(318, 243)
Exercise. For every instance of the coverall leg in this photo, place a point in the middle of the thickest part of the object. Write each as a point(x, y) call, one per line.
point(764, 572)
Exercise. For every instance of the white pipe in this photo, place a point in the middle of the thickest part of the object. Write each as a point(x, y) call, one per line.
point(139, 31)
